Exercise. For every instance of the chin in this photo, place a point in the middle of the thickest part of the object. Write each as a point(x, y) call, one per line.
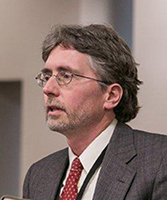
point(58, 127)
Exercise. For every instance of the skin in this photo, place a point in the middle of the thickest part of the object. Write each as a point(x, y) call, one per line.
point(81, 109)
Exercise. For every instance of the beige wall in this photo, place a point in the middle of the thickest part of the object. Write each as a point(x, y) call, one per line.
point(149, 47)
point(23, 26)
point(95, 11)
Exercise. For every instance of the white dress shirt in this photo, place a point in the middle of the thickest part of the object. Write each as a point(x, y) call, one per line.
point(88, 158)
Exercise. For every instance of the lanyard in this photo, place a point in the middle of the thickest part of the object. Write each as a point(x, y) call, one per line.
point(88, 177)
point(91, 173)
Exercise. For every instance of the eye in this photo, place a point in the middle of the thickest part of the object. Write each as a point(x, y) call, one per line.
point(45, 77)
point(67, 75)
point(64, 77)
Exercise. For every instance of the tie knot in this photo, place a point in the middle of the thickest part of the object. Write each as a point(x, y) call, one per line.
point(76, 165)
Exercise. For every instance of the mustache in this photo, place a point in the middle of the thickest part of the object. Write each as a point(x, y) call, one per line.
point(54, 103)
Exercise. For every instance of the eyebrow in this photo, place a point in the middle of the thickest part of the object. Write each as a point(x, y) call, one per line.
point(60, 68)
point(46, 70)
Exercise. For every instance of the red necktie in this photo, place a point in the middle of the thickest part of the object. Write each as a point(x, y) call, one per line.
point(70, 189)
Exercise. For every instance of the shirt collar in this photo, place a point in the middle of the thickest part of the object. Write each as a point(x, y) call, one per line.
point(93, 151)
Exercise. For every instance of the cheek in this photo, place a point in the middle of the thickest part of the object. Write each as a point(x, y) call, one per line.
point(45, 98)
point(75, 100)
point(84, 97)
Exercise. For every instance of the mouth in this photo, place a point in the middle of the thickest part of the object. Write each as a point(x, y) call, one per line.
point(54, 110)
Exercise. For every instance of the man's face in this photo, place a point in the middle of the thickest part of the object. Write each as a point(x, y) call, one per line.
point(78, 105)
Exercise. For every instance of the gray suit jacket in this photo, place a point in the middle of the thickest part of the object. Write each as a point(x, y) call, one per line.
point(134, 168)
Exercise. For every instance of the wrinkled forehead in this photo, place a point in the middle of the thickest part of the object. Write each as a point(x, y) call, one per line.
point(68, 59)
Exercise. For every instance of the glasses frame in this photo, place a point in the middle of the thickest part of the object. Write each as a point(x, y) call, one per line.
point(72, 75)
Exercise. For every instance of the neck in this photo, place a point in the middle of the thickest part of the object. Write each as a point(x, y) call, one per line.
point(82, 138)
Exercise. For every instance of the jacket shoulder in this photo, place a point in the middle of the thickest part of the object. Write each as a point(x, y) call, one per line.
point(153, 143)
point(43, 171)
point(50, 159)
point(149, 137)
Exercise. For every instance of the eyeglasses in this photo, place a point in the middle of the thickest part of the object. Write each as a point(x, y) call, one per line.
point(62, 78)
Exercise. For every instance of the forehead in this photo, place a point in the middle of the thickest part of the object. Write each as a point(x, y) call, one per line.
point(67, 58)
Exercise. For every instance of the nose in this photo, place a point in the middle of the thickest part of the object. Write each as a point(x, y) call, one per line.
point(51, 88)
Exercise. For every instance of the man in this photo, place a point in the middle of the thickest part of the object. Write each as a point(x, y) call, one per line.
point(90, 86)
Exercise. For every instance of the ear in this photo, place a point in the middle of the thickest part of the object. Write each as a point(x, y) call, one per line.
point(113, 96)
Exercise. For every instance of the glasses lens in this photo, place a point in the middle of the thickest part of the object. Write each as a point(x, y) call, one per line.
point(64, 78)
point(42, 79)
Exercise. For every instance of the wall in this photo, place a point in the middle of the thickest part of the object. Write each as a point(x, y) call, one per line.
point(95, 11)
point(149, 47)
point(23, 26)
point(10, 123)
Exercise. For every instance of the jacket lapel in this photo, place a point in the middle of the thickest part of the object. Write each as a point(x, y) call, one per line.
point(116, 175)
point(60, 171)
point(51, 175)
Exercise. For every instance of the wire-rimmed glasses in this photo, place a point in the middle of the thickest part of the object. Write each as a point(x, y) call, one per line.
point(62, 78)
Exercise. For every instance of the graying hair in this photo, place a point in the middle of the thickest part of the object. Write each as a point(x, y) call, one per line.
point(110, 58)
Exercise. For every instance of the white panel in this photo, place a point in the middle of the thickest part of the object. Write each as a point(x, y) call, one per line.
point(95, 11)
point(150, 42)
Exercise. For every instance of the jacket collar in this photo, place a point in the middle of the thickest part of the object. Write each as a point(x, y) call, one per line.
point(116, 175)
